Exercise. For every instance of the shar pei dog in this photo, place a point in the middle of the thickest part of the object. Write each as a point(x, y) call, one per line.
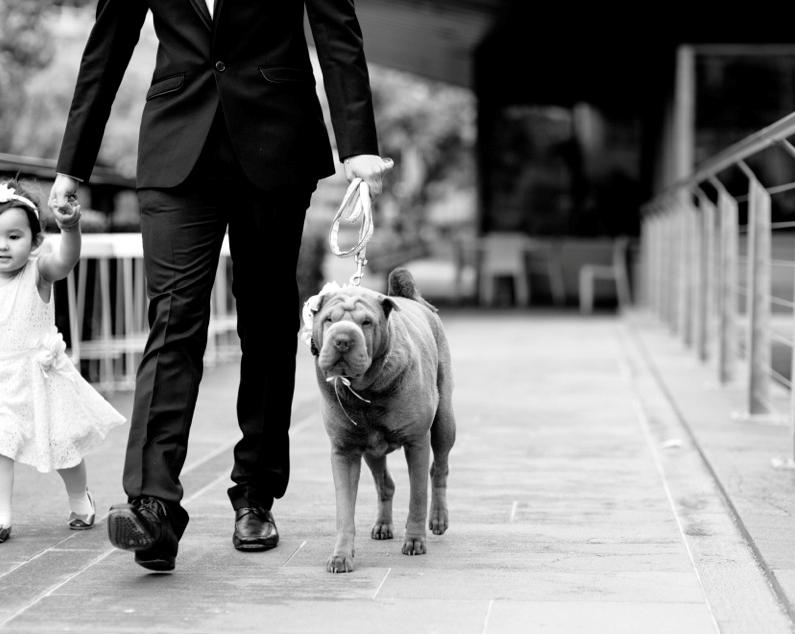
point(384, 373)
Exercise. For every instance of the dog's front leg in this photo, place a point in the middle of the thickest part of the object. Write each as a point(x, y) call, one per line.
point(346, 468)
point(418, 459)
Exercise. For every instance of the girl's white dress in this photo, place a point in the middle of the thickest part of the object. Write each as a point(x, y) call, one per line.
point(50, 417)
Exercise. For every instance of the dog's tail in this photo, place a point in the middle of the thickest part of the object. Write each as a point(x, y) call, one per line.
point(401, 284)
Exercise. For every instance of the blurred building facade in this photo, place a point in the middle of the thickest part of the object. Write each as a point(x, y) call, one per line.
point(586, 110)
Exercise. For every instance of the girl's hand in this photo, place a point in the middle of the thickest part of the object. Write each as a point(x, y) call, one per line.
point(67, 215)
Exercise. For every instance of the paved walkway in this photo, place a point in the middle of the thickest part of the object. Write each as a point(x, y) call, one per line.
point(579, 502)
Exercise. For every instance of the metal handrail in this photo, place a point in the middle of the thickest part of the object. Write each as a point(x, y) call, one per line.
point(695, 274)
point(777, 132)
point(107, 309)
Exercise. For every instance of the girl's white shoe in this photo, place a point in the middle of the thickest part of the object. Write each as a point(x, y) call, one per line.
point(83, 521)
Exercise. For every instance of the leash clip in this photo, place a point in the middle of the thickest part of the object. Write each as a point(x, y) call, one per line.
point(361, 261)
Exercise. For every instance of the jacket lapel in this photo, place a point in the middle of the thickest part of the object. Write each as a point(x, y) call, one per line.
point(201, 8)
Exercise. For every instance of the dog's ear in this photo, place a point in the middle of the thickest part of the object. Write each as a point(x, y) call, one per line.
point(389, 305)
point(308, 312)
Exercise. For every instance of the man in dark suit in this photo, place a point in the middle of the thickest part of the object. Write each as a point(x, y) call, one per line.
point(232, 138)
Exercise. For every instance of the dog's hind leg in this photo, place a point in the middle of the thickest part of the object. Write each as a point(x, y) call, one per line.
point(418, 458)
point(385, 487)
point(442, 439)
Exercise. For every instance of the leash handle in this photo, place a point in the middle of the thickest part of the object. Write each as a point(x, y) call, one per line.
point(356, 205)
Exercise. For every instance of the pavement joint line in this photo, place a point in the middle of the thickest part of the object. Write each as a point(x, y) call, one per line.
point(294, 429)
point(514, 508)
point(294, 553)
point(380, 586)
point(55, 587)
point(303, 423)
point(488, 615)
point(645, 426)
point(772, 581)
point(93, 562)
point(643, 420)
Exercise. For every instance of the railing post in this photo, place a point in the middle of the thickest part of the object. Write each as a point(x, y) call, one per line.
point(682, 244)
point(667, 258)
point(727, 298)
point(692, 238)
point(758, 298)
point(710, 278)
point(658, 263)
point(792, 387)
point(700, 288)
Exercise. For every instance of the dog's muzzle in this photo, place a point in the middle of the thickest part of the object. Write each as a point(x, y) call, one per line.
point(344, 345)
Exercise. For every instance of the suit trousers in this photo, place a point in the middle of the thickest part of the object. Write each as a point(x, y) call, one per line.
point(183, 229)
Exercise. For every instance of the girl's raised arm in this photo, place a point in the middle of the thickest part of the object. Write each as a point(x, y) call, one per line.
point(56, 265)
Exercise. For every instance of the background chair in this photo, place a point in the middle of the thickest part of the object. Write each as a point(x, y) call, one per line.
point(615, 271)
point(516, 255)
point(502, 254)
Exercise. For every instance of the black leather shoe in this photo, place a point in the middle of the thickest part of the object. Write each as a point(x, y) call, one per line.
point(255, 529)
point(143, 527)
point(5, 533)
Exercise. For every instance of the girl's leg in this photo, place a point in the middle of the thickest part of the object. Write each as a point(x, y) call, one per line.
point(6, 488)
point(76, 481)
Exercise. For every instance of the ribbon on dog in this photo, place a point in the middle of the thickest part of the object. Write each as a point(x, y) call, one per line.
point(347, 383)
point(311, 306)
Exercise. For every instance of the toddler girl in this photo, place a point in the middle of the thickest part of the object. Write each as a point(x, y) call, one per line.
point(49, 415)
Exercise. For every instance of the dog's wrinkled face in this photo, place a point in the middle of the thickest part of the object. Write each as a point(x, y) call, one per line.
point(349, 330)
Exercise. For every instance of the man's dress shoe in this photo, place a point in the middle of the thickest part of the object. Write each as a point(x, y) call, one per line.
point(255, 529)
point(143, 526)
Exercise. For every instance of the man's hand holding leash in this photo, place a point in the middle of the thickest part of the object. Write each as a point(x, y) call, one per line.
point(370, 168)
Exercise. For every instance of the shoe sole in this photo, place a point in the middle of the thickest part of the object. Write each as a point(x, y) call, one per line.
point(254, 546)
point(156, 564)
point(125, 530)
point(81, 528)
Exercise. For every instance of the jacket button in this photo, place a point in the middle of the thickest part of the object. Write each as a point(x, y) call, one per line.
point(220, 67)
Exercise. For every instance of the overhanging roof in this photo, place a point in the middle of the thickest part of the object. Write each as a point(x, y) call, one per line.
point(552, 52)
point(434, 39)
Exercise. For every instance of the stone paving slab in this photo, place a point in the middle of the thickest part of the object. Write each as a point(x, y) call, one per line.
point(561, 518)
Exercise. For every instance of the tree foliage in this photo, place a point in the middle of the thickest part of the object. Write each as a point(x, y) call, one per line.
point(25, 48)
point(428, 128)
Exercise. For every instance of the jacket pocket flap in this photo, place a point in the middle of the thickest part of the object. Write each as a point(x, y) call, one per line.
point(283, 74)
point(167, 85)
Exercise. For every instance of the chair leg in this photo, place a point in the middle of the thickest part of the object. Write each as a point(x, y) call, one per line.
point(522, 290)
point(556, 283)
point(486, 289)
point(622, 291)
point(586, 291)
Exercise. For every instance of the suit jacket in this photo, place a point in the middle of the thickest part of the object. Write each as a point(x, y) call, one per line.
point(252, 60)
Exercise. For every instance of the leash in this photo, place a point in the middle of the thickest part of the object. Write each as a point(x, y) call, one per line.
point(356, 203)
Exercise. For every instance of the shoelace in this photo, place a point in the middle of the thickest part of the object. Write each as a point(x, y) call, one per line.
point(153, 506)
point(259, 512)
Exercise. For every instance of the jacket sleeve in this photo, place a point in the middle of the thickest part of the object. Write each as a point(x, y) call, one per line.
point(105, 58)
point(338, 39)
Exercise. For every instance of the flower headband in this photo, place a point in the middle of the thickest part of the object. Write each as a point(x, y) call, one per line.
point(8, 194)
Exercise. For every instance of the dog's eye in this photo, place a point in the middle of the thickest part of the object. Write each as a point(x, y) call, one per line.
point(366, 322)
point(328, 320)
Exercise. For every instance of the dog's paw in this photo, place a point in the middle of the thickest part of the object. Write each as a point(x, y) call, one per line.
point(382, 531)
point(414, 545)
point(438, 522)
point(340, 563)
